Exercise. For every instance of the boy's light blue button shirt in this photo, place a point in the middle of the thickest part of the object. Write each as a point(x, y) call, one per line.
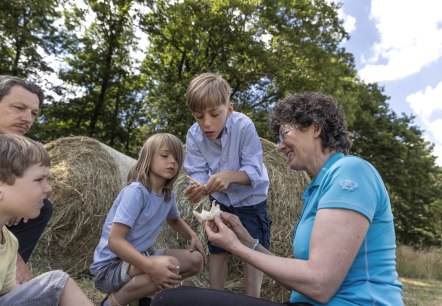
point(239, 149)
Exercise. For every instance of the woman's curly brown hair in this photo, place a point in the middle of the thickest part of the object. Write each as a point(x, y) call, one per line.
point(301, 110)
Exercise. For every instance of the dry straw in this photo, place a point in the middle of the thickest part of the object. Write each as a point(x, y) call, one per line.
point(86, 178)
point(284, 206)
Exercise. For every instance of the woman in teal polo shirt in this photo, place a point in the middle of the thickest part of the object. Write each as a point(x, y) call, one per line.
point(344, 243)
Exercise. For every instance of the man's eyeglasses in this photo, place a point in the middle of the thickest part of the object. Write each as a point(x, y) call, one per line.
point(283, 133)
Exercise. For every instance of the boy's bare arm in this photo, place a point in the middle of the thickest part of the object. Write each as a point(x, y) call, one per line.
point(23, 274)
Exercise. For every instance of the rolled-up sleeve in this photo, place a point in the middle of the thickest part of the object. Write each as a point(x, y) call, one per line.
point(251, 156)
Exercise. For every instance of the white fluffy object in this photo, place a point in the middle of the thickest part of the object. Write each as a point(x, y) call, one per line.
point(208, 215)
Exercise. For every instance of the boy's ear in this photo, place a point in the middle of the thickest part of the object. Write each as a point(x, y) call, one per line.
point(229, 108)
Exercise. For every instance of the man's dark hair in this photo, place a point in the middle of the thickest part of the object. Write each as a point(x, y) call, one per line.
point(9, 81)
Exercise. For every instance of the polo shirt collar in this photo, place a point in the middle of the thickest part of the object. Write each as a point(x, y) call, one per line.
point(318, 179)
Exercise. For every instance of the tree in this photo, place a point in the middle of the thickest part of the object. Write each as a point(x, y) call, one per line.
point(397, 149)
point(264, 49)
point(98, 74)
point(28, 33)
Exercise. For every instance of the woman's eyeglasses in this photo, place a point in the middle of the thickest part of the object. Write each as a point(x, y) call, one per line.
point(283, 133)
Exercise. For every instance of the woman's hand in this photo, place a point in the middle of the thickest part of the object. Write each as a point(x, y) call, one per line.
point(220, 234)
point(233, 222)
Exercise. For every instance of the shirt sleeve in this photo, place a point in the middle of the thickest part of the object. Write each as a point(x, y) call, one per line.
point(130, 205)
point(352, 185)
point(195, 164)
point(251, 160)
point(9, 259)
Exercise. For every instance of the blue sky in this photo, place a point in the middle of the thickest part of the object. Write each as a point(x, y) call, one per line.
point(398, 44)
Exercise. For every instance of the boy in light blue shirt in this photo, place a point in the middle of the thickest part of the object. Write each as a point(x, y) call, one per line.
point(224, 154)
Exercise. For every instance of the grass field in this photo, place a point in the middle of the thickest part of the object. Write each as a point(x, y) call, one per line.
point(422, 292)
point(421, 273)
point(417, 292)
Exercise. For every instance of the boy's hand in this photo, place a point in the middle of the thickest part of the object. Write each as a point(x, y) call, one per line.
point(164, 273)
point(218, 182)
point(195, 193)
point(15, 221)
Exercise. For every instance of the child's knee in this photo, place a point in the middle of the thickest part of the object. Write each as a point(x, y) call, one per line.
point(174, 261)
point(196, 262)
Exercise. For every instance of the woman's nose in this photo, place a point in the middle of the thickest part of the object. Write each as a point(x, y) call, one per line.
point(280, 146)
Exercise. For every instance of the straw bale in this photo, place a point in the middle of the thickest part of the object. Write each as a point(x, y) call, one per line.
point(284, 207)
point(86, 177)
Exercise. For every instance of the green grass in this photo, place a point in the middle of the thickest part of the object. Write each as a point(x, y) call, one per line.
point(418, 292)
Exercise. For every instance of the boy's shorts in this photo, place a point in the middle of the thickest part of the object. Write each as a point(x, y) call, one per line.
point(44, 290)
point(254, 218)
point(114, 275)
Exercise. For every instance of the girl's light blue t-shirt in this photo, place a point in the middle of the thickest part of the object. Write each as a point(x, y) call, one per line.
point(144, 212)
point(349, 182)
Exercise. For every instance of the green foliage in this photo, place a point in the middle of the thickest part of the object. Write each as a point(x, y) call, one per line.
point(264, 49)
point(403, 158)
point(27, 32)
point(105, 91)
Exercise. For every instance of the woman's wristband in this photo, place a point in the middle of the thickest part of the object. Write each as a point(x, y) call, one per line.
point(255, 245)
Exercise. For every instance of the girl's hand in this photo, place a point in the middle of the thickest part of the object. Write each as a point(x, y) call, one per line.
point(195, 193)
point(220, 235)
point(164, 273)
point(196, 245)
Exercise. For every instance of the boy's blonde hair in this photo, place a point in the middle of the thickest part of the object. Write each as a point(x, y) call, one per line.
point(205, 90)
point(17, 154)
point(140, 171)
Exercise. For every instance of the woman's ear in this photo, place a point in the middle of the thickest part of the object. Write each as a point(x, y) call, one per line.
point(317, 129)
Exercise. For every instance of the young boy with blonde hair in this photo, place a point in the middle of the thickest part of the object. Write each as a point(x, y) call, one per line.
point(24, 171)
point(224, 154)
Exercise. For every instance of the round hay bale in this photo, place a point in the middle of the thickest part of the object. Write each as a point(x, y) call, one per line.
point(284, 207)
point(86, 177)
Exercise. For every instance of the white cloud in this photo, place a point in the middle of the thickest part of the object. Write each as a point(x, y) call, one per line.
point(435, 129)
point(427, 104)
point(349, 21)
point(410, 37)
